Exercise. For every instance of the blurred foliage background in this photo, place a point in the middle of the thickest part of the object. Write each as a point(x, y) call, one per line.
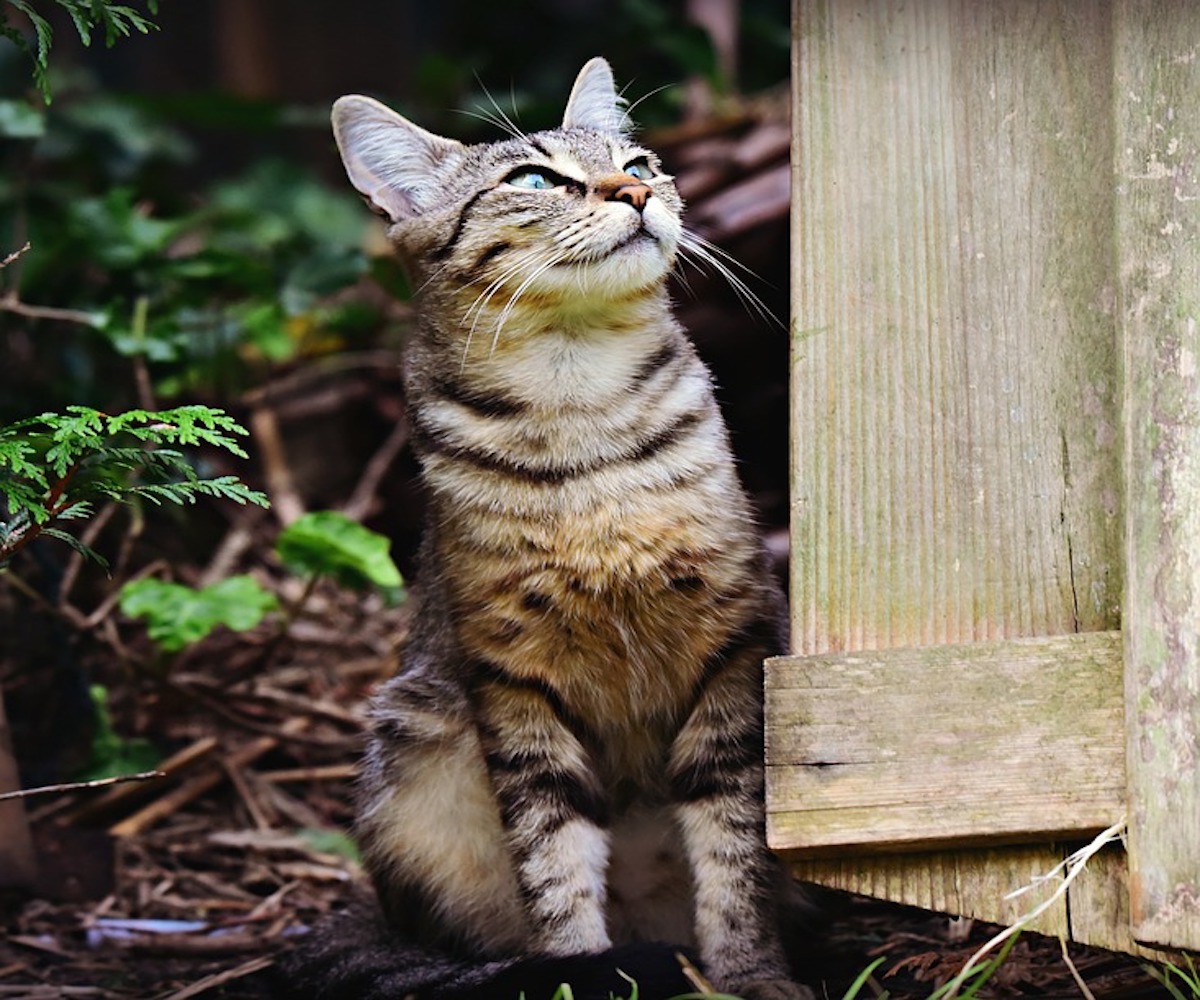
point(190, 229)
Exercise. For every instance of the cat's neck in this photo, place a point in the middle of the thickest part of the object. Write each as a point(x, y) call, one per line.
point(575, 353)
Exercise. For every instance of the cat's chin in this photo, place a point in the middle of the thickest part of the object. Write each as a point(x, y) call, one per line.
point(637, 264)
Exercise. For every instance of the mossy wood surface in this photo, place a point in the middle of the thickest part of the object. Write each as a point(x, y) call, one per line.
point(1157, 94)
point(993, 224)
point(920, 748)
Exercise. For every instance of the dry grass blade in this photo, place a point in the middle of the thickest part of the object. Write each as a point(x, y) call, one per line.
point(1083, 987)
point(1066, 873)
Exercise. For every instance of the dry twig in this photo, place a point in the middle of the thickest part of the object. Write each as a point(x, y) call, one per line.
point(221, 978)
point(75, 786)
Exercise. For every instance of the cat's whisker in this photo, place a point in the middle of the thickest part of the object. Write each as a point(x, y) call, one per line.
point(478, 307)
point(501, 123)
point(516, 295)
point(533, 257)
point(693, 248)
point(501, 117)
point(631, 106)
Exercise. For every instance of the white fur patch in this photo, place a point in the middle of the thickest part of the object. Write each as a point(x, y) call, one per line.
point(571, 863)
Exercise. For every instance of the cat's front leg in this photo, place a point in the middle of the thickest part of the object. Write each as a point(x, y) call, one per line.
point(717, 781)
point(552, 809)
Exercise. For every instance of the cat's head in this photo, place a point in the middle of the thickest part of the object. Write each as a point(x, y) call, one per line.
point(576, 211)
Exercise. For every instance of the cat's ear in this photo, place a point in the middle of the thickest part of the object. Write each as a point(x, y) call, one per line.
point(396, 165)
point(594, 101)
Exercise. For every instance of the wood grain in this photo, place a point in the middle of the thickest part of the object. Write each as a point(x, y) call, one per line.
point(984, 743)
point(956, 366)
point(1158, 226)
point(957, 394)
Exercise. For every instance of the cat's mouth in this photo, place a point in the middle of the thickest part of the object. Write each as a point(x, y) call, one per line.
point(640, 238)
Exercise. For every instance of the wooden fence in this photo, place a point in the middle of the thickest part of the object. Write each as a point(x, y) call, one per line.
point(996, 478)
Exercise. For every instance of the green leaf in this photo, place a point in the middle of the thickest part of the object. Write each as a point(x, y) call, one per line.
point(20, 120)
point(329, 543)
point(81, 547)
point(861, 979)
point(41, 28)
point(178, 616)
point(113, 755)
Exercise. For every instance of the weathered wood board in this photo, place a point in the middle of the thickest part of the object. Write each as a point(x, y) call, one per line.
point(1157, 96)
point(873, 750)
point(956, 393)
point(994, 218)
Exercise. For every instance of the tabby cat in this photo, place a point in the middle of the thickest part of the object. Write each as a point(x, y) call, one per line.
point(570, 759)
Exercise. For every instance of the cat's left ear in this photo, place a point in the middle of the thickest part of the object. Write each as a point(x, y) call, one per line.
point(594, 101)
point(397, 166)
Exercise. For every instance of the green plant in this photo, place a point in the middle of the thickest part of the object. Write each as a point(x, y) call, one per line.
point(1189, 979)
point(207, 299)
point(55, 467)
point(319, 544)
point(861, 980)
point(116, 20)
point(327, 543)
point(113, 755)
point(178, 616)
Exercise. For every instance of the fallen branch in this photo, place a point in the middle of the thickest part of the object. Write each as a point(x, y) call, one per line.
point(115, 797)
point(10, 303)
point(192, 789)
point(14, 255)
point(74, 786)
point(221, 978)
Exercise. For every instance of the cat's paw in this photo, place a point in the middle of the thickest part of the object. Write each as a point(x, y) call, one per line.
point(774, 989)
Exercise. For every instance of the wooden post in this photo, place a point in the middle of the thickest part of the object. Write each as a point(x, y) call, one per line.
point(16, 847)
point(958, 449)
point(1157, 95)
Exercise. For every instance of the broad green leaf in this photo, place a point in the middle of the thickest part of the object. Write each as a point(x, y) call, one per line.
point(177, 615)
point(329, 543)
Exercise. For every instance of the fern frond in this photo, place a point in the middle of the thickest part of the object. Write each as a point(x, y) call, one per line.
point(81, 547)
point(55, 465)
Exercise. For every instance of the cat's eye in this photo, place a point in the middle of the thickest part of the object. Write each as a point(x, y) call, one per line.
point(533, 179)
point(639, 168)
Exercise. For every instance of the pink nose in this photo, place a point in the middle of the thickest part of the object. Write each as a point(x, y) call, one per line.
point(636, 194)
point(625, 188)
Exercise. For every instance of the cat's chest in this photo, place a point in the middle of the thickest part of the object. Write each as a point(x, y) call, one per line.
point(619, 610)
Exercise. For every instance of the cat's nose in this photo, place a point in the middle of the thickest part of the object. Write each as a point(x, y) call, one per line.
point(625, 188)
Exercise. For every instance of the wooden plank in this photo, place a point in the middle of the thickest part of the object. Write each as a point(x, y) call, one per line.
point(956, 390)
point(956, 366)
point(1158, 212)
point(973, 884)
point(908, 749)
point(1098, 906)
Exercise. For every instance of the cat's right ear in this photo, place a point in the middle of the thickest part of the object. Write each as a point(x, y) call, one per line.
point(397, 166)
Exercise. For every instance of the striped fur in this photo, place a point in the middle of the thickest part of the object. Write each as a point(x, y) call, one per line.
point(570, 757)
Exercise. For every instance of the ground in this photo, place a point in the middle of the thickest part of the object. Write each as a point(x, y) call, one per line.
point(236, 851)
